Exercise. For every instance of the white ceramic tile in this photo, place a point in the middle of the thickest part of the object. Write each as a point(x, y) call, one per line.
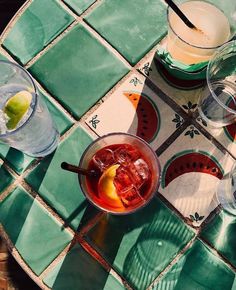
point(136, 109)
point(191, 188)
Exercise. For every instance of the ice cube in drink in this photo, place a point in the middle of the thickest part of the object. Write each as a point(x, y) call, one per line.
point(125, 177)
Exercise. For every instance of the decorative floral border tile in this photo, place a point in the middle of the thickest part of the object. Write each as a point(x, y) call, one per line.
point(191, 169)
point(136, 109)
point(226, 135)
point(186, 99)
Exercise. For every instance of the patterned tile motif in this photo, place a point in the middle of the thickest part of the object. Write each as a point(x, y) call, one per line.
point(221, 233)
point(34, 29)
point(61, 188)
point(198, 269)
point(69, 273)
point(79, 6)
point(6, 179)
point(154, 248)
point(138, 110)
point(33, 231)
point(133, 27)
point(19, 161)
point(65, 70)
point(141, 244)
point(191, 169)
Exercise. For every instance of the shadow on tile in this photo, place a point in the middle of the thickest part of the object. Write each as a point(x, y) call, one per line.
point(139, 246)
point(79, 270)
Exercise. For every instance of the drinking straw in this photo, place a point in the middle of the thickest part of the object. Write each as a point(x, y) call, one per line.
point(79, 170)
point(180, 14)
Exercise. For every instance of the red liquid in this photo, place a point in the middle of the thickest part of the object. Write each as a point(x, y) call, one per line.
point(132, 179)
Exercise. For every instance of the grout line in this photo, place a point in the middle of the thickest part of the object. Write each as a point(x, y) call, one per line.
point(174, 261)
point(54, 101)
point(219, 255)
point(60, 256)
point(165, 145)
point(106, 44)
point(165, 98)
point(91, 8)
point(195, 229)
point(210, 217)
point(14, 252)
point(99, 258)
point(67, 8)
point(47, 207)
point(212, 139)
point(52, 43)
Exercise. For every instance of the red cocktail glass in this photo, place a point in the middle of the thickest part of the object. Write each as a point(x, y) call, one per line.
point(128, 173)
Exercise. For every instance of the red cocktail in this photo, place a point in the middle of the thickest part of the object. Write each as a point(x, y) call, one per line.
point(128, 173)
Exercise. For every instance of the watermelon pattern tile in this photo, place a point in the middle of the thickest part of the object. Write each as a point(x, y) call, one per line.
point(19, 161)
point(60, 188)
point(191, 170)
point(34, 29)
point(133, 27)
point(226, 135)
point(69, 63)
point(138, 110)
point(96, 65)
point(141, 245)
point(198, 269)
point(37, 236)
point(69, 273)
point(186, 99)
point(221, 233)
point(79, 6)
point(6, 178)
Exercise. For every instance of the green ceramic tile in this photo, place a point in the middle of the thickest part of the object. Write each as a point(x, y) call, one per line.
point(132, 27)
point(35, 29)
point(19, 161)
point(78, 70)
point(78, 270)
point(79, 6)
point(140, 245)
point(62, 121)
point(61, 188)
point(2, 57)
point(35, 233)
point(221, 234)
point(5, 178)
point(197, 269)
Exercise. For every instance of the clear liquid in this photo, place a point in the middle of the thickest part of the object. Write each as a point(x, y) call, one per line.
point(35, 134)
point(217, 113)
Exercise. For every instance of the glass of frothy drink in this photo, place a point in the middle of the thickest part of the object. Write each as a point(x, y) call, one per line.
point(127, 173)
point(215, 23)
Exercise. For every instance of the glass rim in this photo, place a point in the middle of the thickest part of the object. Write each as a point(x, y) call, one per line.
point(195, 46)
point(156, 185)
point(222, 48)
point(34, 100)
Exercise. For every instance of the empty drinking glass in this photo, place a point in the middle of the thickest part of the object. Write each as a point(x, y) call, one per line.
point(217, 105)
point(226, 191)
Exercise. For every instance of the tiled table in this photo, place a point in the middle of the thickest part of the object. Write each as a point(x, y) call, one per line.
point(94, 62)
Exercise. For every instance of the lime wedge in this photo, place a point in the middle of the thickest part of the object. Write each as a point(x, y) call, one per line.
point(16, 107)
